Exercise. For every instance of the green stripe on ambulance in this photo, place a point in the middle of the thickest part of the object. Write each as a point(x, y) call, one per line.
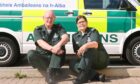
point(11, 20)
point(120, 21)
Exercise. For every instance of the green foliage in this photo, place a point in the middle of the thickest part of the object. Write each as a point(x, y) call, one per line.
point(20, 76)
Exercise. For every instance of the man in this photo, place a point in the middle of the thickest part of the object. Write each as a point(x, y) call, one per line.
point(50, 39)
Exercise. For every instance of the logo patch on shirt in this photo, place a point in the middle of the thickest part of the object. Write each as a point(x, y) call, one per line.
point(55, 36)
point(77, 42)
point(88, 40)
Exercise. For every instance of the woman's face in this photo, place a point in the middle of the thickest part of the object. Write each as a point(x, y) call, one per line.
point(82, 25)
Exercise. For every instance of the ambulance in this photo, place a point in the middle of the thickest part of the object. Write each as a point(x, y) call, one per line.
point(118, 22)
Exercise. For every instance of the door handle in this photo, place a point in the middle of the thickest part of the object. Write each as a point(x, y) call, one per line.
point(69, 13)
point(87, 13)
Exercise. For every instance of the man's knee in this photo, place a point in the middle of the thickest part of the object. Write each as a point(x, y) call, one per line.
point(31, 54)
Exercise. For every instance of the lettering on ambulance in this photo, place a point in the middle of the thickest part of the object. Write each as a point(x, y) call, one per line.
point(31, 19)
point(138, 17)
point(108, 38)
point(30, 37)
point(113, 38)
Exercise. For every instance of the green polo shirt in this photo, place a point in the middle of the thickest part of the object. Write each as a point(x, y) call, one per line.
point(101, 57)
point(90, 35)
point(52, 37)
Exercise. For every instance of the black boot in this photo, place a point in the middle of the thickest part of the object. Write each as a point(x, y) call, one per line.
point(58, 74)
point(50, 76)
point(82, 78)
point(99, 77)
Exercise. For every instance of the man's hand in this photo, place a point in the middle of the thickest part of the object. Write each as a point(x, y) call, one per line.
point(55, 49)
point(60, 52)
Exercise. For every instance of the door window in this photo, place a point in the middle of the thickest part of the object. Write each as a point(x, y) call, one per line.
point(105, 4)
point(91, 4)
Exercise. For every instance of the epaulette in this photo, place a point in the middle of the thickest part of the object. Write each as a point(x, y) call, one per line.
point(58, 26)
point(93, 29)
point(39, 27)
point(75, 33)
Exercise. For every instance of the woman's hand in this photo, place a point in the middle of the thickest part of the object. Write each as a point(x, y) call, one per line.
point(82, 50)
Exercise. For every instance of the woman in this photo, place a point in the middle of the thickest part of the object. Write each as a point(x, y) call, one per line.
point(90, 53)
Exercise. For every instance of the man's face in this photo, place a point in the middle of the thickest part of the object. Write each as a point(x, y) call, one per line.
point(49, 19)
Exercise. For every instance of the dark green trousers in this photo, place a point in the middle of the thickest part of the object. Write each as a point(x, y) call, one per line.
point(87, 61)
point(91, 60)
point(44, 61)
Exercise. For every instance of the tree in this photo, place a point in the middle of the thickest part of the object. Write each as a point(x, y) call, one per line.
point(139, 0)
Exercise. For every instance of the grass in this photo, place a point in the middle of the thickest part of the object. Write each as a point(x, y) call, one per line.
point(20, 75)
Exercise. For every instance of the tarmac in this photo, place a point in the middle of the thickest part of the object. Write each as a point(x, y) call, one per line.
point(29, 75)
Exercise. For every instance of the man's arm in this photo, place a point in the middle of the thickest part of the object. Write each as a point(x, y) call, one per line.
point(57, 48)
point(39, 40)
point(44, 45)
point(63, 41)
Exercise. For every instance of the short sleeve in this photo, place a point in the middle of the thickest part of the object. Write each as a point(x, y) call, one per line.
point(94, 36)
point(61, 30)
point(37, 35)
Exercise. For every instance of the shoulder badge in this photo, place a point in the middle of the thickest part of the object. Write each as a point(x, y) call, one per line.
point(39, 27)
point(92, 29)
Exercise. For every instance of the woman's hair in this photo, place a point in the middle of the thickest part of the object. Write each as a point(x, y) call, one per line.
point(79, 17)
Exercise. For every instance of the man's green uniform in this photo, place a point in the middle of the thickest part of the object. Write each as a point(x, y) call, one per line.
point(43, 59)
point(92, 58)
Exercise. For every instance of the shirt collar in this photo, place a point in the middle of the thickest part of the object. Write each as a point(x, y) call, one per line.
point(45, 29)
point(86, 32)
